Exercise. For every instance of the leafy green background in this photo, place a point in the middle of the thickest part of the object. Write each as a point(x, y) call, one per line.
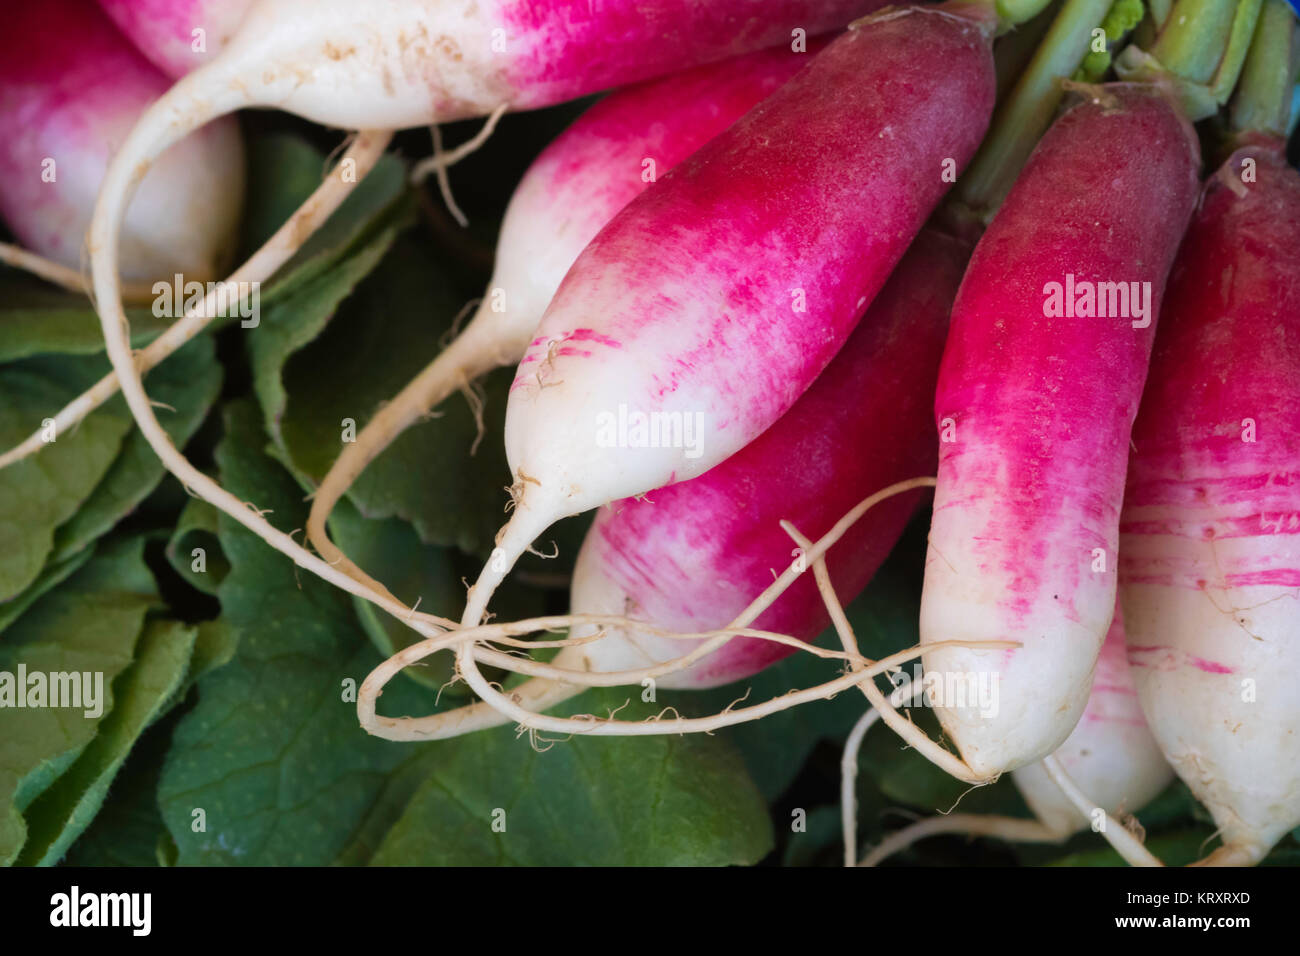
point(230, 734)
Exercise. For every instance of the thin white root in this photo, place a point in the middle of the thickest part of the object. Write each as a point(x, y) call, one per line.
point(1233, 854)
point(1117, 835)
point(480, 716)
point(133, 293)
point(442, 160)
point(365, 150)
point(849, 770)
point(849, 763)
point(1011, 829)
point(848, 783)
point(594, 726)
point(910, 733)
point(444, 182)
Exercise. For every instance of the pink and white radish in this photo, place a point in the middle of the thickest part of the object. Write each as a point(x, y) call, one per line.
point(383, 64)
point(71, 88)
point(177, 36)
point(611, 154)
point(1110, 755)
point(1036, 399)
point(1210, 553)
point(691, 557)
point(716, 298)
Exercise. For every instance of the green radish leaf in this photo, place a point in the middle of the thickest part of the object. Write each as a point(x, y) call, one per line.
point(389, 804)
point(288, 171)
point(51, 576)
point(379, 340)
point(215, 643)
point(186, 385)
point(140, 694)
point(38, 319)
point(196, 528)
point(89, 623)
point(389, 551)
point(44, 490)
point(269, 765)
point(596, 801)
point(128, 827)
point(297, 318)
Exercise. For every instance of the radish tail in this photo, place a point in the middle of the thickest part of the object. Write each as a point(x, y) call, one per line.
point(60, 275)
point(498, 708)
point(1121, 840)
point(1011, 829)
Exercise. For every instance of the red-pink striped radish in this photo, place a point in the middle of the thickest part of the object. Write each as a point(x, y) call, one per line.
point(384, 64)
point(1037, 394)
point(71, 88)
point(712, 301)
point(177, 36)
point(1210, 553)
point(591, 171)
point(1110, 755)
point(690, 557)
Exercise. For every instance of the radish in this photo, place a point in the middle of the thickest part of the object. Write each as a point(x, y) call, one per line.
point(386, 64)
point(1035, 403)
point(1111, 755)
point(712, 301)
point(71, 88)
point(177, 36)
point(1210, 554)
point(577, 184)
point(691, 556)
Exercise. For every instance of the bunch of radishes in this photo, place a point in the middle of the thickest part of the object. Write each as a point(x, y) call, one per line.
point(732, 347)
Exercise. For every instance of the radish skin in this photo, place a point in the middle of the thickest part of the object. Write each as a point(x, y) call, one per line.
point(669, 312)
point(1111, 753)
point(576, 186)
point(1111, 756)
point(165, 30)
point(71, 88)
point(690, 557)
point(1210, 554)
point(1035, 415)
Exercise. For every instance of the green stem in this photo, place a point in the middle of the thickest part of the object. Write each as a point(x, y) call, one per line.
point(1023, 118)
point(1198, 53)
point(1012, 52)
point(1243, 28)
point(1205, 41)
point(1015, 12)
point(1192, 43)
point(1263, 100)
